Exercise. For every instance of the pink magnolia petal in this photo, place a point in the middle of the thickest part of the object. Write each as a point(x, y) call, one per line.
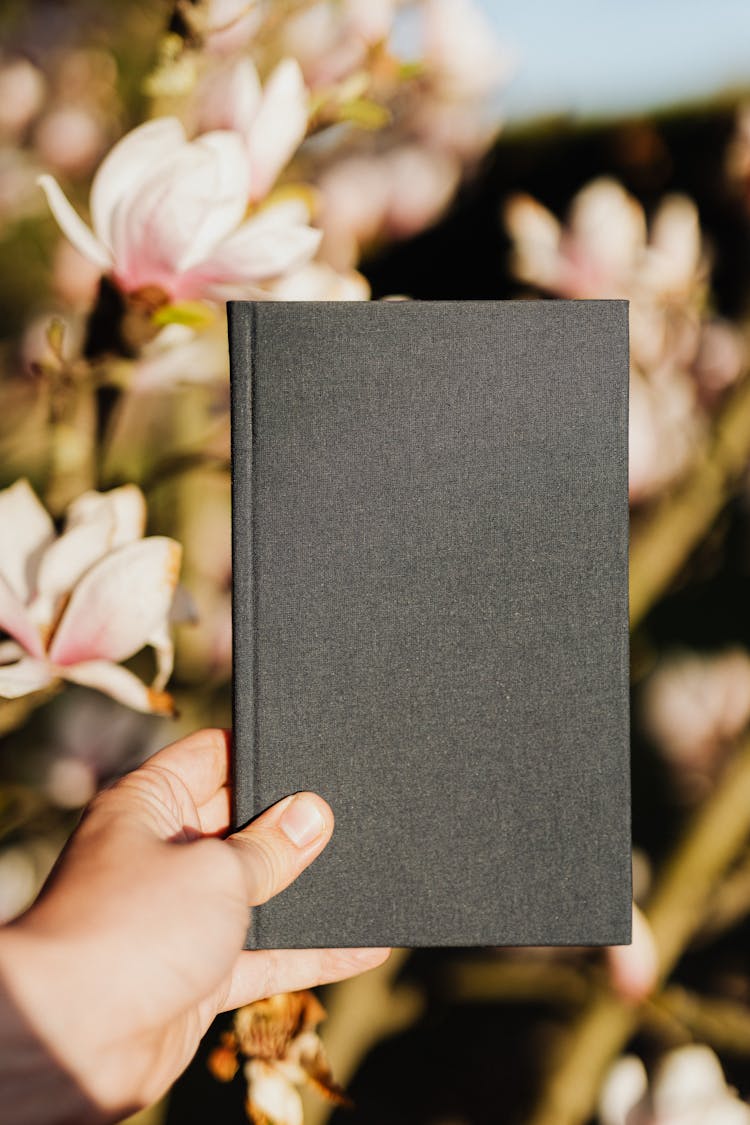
point(15, 620)
point(120, 684)
point(229, 98)
point(97, 523)
point(279, 126)
point(131, 162)
point(462, 50)
point(371, 19)
point(24, 677)
point(634, 968)
point(536, 234)
point(676, 247)
point(25, 531)
point(264, 247)
point(119, 604)
point(73, 226)
point(122, 509)
point(609, 227)
point(182, 213)
point(231, 24)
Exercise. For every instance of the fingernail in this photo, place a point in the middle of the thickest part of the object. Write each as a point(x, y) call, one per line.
point(302, 821)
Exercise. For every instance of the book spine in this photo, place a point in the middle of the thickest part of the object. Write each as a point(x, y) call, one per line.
point(242, 323)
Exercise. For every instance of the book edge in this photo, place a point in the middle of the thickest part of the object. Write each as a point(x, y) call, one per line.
point(241, 319)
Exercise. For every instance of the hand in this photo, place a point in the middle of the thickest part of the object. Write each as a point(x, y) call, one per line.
point(135, 943)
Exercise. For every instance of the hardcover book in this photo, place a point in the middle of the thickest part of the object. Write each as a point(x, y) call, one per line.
point(430, 537)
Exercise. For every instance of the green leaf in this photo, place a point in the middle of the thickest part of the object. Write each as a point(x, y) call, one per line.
point(194, 314)
point(365, 113)
point(410, 68)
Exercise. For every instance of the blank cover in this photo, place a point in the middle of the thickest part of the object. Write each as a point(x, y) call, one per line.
point(430, 615)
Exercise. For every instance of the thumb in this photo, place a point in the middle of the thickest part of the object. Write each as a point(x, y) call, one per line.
point(281, 843)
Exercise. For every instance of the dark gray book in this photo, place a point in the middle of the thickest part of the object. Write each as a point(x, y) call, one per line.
point(430, 615)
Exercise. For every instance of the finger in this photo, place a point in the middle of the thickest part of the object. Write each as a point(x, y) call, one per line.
point(262, 973)
point(200, 761)
point(216, 815)
point(281, 843)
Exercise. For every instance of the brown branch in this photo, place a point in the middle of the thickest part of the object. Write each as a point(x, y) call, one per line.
point(361, 1012)
point(665, 538)
point(715, 836)
point(514, 979)
point(723, 1023)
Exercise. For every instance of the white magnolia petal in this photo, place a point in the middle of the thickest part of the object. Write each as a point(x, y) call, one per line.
point(97, 522)
point(290, 210)
point(25, 531)
point(687, 1079)
point(119, 603)
point(163, 645)
point(609, 226)
point(73, 226)
point(173, 359)
point(119, 683)
point(462, 49)
point(15, 620)
point(225, 207)
point(130, 163)
point(10, 651)
point(317, 281)
point(259, 250)
point(24, 677)
point(271, 1095)
point(624, 1088)
point(676, 249)
point(182, 212)
point(123, 509)
point(64, 563)
point(229, 98)
point(279, 126)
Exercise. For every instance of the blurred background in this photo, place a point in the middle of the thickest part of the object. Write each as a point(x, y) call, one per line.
point(435, 149)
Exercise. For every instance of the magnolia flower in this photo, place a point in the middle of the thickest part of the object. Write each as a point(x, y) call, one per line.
point(462, 52)
point(331, 40)
point(77, 604)
point(70, 139)
point(694, 706)
point(278, 1038)
point(168, 214)
point(666, 431)
point(272, 121)
point(388, 195)
point(681, 361)
point(606, 250)
point(22, 90)
point(231, 24)
point(688, 1088)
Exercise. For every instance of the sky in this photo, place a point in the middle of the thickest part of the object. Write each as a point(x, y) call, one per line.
point(602, 57)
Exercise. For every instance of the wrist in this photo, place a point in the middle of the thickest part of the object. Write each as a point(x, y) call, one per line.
point(48, 1060)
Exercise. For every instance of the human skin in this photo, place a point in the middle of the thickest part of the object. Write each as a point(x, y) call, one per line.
point(134, 945)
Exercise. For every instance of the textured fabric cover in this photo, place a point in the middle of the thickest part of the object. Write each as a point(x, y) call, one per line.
point(430, 614)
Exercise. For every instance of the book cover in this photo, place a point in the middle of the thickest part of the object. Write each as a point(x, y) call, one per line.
point(430, 563)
